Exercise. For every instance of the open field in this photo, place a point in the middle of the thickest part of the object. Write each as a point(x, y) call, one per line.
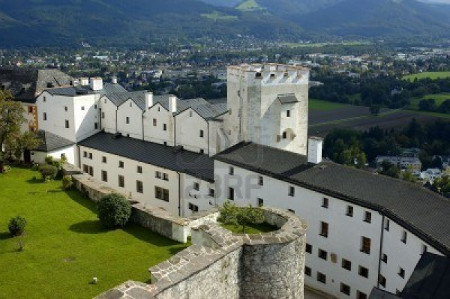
point(439, 98)
point(359, 118)
point(65, 246)
point(319, 105)
point(430, 75)
point(219, 16)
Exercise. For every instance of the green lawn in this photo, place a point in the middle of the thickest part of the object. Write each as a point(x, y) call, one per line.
point(431, 75)
point(439, 99)
point(250, 229)
point(320, 105)
point(219, 16)
point(65, 247)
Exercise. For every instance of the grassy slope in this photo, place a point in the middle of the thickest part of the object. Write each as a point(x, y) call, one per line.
point(439, 99)
point(431, 75)
point(64, 244)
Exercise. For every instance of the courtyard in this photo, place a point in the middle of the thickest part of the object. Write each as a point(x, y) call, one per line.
point(64, 244)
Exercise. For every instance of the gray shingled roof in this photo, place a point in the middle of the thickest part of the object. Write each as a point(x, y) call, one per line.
point(26, 84)
point(430, 279)
point(118, 98)
point(421, 210)
point(51, 142)
point(382, 294)
point(109, 89)
point(287, 98)
point(195, 164)
point(204, 108)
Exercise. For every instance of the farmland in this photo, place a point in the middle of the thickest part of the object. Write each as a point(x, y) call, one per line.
point(430, 75)
point(439, 99)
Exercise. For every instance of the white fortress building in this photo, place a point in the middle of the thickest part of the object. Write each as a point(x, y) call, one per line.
point(364, 230)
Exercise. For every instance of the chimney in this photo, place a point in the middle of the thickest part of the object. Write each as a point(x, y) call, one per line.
point(172, 103)
point(114, 80)
point(96, 84)
point(148, 99)
point(84, 81)
point(315, 145)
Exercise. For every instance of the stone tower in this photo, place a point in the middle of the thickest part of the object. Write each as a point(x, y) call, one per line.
point(268, 105)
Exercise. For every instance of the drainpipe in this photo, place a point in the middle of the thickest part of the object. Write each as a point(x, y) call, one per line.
point(381, 251)
point(174, 130)
point(207, 123)
point(179, 194)
point(143, 136)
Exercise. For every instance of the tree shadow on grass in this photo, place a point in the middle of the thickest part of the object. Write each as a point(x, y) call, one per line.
point(91, 227)
point(5, 236)
point(76, 196)
point(150, 237)
point(35, 180)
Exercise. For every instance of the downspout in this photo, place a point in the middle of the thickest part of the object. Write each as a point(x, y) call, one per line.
point(143, 136)
point(79, 156)
point(207, 123)
point(179, 194)
point(381, 251)
point(117, 108)
point(174, 130)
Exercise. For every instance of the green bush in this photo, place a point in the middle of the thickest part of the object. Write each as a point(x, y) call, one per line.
point(114, 210)
point(67, 182)
point(17, 225)
point(230, 214)
point(6, 168)
point(48, 172)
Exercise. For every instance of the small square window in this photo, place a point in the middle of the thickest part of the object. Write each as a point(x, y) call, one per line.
point(65, 108)
point(382, 280)
point(367, 217)
point(193, 207)
point(196, 186)
point(85, 154)
point(363, 271)
point(158, 175)
point(291, 191)
point(231, 170)
point(260, 202)
point(345, 289)
point(361, 295)
point(90, 156)
point(121, 164)
point(401, 272)
point(323, 254)
point(325, 202)
point(321, 277)
point(165, 177)
point(384, 258)
point(82, 108)
point(211, 192)
point(260, 181)
point(307, 271)
point(349, 212)
point(139, 169)
point(308, 248)
point(346, 264)
point(103, 159)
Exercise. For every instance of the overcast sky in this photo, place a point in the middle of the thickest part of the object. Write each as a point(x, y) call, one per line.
point(439, 1)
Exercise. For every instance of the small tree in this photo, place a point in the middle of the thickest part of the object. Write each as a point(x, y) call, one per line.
point(48, 172)
point(17, 225)
point(230, 214)
point(114, 210)
point(67, 182)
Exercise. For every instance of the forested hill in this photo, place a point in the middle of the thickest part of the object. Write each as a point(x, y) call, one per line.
point(137, 22)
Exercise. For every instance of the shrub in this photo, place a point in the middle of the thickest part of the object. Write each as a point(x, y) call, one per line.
point(230, 214)
point(6, 169)
point(48, 172)
point(67, 182)
point(114, 211)
point(17, 225)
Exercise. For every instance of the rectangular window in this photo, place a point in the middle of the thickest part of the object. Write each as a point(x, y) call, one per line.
point(365, 245)
point(291, 191)
point(196, 186)
point(139, 169)
point(96, 126)
point(85, 154)
point(401, 272)
point(384, 258)
point(361, 295)
point(127, 120)
point(386, 225)
point(308, 248)
point(104, 176)
point(363, 271)
point(231, 193)
point(85, 168)
point(158, 175)
point(155, 122)
point(345, 289)
point(404, 236)
point(65, 108)
point(307, 271)
point(139, 187)
point(121, 181)
point(103, 159)
point(321, 277)
point(288, 113)
point(121, 164)
point(103, 114)
point(324, 229)
point(193, 207)
point(164, 127)
point(91, 170)
point(201, 133)
point(323, 254)
point(346, 264)
point(44, 116)
point(325, 203)
point(66, 123)
point(95, 106)
point(165, 177)
point(231, 170)
point(90, 156)
point(260, 181)
point(211, 192)
point(349, 211)
point(260, 202)
point(367, 217)
point(382, 281)
point(161, 193)
point(82, 108)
